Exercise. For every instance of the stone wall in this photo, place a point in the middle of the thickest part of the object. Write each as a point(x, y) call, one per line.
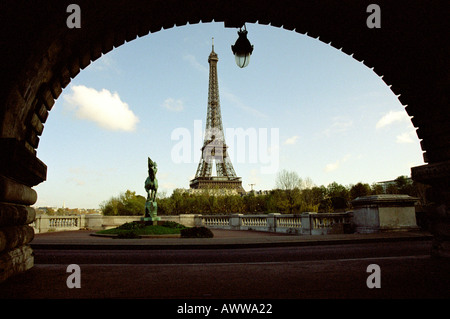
point(19, 171)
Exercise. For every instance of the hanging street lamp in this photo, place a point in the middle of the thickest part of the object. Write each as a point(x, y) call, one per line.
point(242, 49)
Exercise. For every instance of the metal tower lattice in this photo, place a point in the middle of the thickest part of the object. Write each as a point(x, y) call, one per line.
point(214, 147)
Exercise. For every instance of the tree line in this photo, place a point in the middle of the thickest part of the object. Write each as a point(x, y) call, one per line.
point(292, 195)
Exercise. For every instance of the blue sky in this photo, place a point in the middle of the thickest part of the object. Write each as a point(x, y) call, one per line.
point(326, 116)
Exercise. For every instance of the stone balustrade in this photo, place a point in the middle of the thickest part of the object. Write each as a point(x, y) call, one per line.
point(302, 224)
point(370, 214)
point(306, 223)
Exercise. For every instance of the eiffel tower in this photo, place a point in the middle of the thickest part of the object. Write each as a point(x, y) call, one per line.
point(214, 148)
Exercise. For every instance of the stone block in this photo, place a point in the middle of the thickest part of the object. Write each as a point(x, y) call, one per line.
point(94, 222)
point(15, 261)
point(384, 213)
point(19, 163)
point(306, 223)
point(36, 123)
point(12, 214)
point(187, 220)
point(198, 220)
point(15, 236)
point(41, 111)
point(272, 221)
point(14, 192)
point(235, 221)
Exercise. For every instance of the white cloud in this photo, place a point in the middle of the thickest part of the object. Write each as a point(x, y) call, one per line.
point(105, 63)
point(168, 186)
point(392, 117)
point(334, 166)
point(291, 140)
point(331, 167)
point(339, 125)
point(236, 101)
point(104, 108)
point(193, 61)
point(255, 177)
point(224, 92)
point(76, 181)
point(274, 149)
point(407, 137)
point(173, 105)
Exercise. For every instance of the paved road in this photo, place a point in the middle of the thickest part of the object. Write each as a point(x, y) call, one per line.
point(324, 271)
point(237, 255)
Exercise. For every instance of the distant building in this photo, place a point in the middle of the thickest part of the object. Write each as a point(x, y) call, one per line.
point(220, 191)
point(209, 191)
point(386, 184)
point(45, 209)
point(66, 211)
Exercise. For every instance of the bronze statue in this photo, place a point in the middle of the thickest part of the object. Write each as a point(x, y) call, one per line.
point(151, 187)
point(151, 183)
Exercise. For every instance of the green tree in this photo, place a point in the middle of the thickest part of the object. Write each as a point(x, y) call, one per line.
point(270, 202)
point(340, 204)
point(257, 203)
point(110, 207)
point(392, 189)
point(318, 193)
point(164, 207)
point(212, 204)
point(359, 190)
point(133, 204)
point(234, 204)
point(311, 198)
point(326, 206)
point(376, 189)
point(61, 211)
point(290, 185)
point(178, 202)
point(337, 190)
point(126, 204)
point(405, 185)
point(287, 180)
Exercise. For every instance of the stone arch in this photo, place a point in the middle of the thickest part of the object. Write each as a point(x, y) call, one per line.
point(42, 55)
point(64, 52)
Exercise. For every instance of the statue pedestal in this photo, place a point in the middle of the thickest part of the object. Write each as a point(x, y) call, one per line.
point(150, 221)
point(150, 216)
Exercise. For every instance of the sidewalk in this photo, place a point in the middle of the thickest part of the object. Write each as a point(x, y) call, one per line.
point(221, 239)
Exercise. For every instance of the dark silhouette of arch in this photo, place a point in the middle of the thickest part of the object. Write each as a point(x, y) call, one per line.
point(40, 56)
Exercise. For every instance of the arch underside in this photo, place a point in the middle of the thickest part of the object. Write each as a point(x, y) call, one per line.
point(40, 56)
